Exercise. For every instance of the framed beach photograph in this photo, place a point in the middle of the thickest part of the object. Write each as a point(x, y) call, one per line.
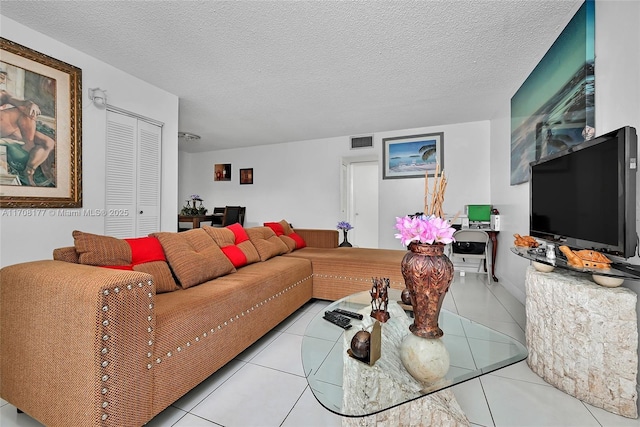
point(246, 176)
point(40, 130)
point(412, 156)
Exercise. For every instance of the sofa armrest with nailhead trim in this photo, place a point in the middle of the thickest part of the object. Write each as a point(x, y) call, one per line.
point(68, 332)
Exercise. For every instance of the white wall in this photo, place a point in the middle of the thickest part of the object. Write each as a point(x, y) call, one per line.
point(34, 237)
point(300, 181)
point(466, 166)
point(617, 77)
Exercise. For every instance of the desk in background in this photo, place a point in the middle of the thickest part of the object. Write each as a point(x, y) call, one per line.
point(493, 236)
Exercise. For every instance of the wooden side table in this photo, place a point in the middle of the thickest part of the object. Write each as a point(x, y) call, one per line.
point(195, 219)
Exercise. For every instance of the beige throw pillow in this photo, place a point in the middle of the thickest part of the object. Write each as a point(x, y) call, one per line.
point(194, 256)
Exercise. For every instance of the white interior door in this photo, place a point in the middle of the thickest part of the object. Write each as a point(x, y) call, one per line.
point(148, 208)
point(364, 204)
point(132, 176)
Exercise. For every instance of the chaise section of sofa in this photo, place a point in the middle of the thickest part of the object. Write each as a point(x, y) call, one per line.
point(339, 272)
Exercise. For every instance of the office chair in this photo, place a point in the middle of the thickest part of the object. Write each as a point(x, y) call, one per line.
point(232, 214)
point(472, 244)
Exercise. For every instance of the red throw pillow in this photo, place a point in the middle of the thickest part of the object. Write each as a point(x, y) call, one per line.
point(145, 249)
point(276, 227)
point(239, 233)
point(300, 243)
point(235, 255)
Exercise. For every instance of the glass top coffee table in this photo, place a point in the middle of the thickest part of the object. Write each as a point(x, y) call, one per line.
point(362, 390)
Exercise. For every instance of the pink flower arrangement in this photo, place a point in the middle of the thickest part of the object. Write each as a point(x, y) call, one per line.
point(424, 229)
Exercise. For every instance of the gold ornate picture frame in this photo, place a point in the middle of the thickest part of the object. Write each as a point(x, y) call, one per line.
point(40, 130)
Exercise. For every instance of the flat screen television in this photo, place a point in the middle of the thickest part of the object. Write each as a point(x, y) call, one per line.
point(585, 196)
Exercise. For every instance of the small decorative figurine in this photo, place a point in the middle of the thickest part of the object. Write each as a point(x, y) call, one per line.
point(366, 346)
point(405, 296)
point(380, 299)
point(360, 344)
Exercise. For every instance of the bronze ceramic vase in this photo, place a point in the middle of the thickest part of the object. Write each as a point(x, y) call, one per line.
point(427, 273)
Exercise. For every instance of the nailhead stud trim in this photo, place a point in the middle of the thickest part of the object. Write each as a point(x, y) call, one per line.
point(237, 316)
point(106, 335)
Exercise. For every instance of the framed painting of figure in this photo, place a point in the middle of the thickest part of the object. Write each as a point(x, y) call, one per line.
point(40, 130)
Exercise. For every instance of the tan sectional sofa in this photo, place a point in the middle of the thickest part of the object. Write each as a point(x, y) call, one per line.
point(84, 345)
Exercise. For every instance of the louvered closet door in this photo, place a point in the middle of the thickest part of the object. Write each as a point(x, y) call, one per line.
point(148, 208)
point(132, 176)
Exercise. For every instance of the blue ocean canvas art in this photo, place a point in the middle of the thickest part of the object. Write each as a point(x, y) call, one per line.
point(554, 108)
point(418, 156)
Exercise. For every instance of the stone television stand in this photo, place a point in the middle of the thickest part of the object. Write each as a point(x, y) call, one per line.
point(582, 338)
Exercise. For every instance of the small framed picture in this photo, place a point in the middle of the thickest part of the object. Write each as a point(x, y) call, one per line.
point(246, 176)
point(222, 172)
point(412, 156)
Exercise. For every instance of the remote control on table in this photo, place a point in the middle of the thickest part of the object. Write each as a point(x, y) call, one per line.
point(337, 319)
point(348, 313)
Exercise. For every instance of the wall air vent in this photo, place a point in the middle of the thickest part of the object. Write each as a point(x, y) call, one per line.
point(361, 141)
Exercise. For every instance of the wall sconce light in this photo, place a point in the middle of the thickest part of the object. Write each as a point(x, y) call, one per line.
point(99, 97)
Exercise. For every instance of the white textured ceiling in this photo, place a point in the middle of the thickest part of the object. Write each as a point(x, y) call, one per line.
point(250, 73)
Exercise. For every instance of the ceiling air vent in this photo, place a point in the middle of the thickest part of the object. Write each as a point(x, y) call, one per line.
point(361, 142)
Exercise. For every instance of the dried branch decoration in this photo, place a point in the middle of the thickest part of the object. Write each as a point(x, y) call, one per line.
point(433, 206)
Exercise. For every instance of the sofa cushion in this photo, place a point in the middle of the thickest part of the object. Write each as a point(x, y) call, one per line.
point(291, 244)
point(286, 233)
point(299, 241)
point(235, 244)
point(161, 273)
point(194, 256)
point(66, 254)
point(286, 227)
point(266, 242)
point(145, 249)
point(276, 227)
point(143, 254)
point(94, 249)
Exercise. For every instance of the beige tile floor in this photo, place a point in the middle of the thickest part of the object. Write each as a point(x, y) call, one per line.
point(265, 385)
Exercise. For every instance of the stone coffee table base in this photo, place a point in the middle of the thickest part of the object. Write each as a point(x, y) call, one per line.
point(364, 385)
point(438, 409)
